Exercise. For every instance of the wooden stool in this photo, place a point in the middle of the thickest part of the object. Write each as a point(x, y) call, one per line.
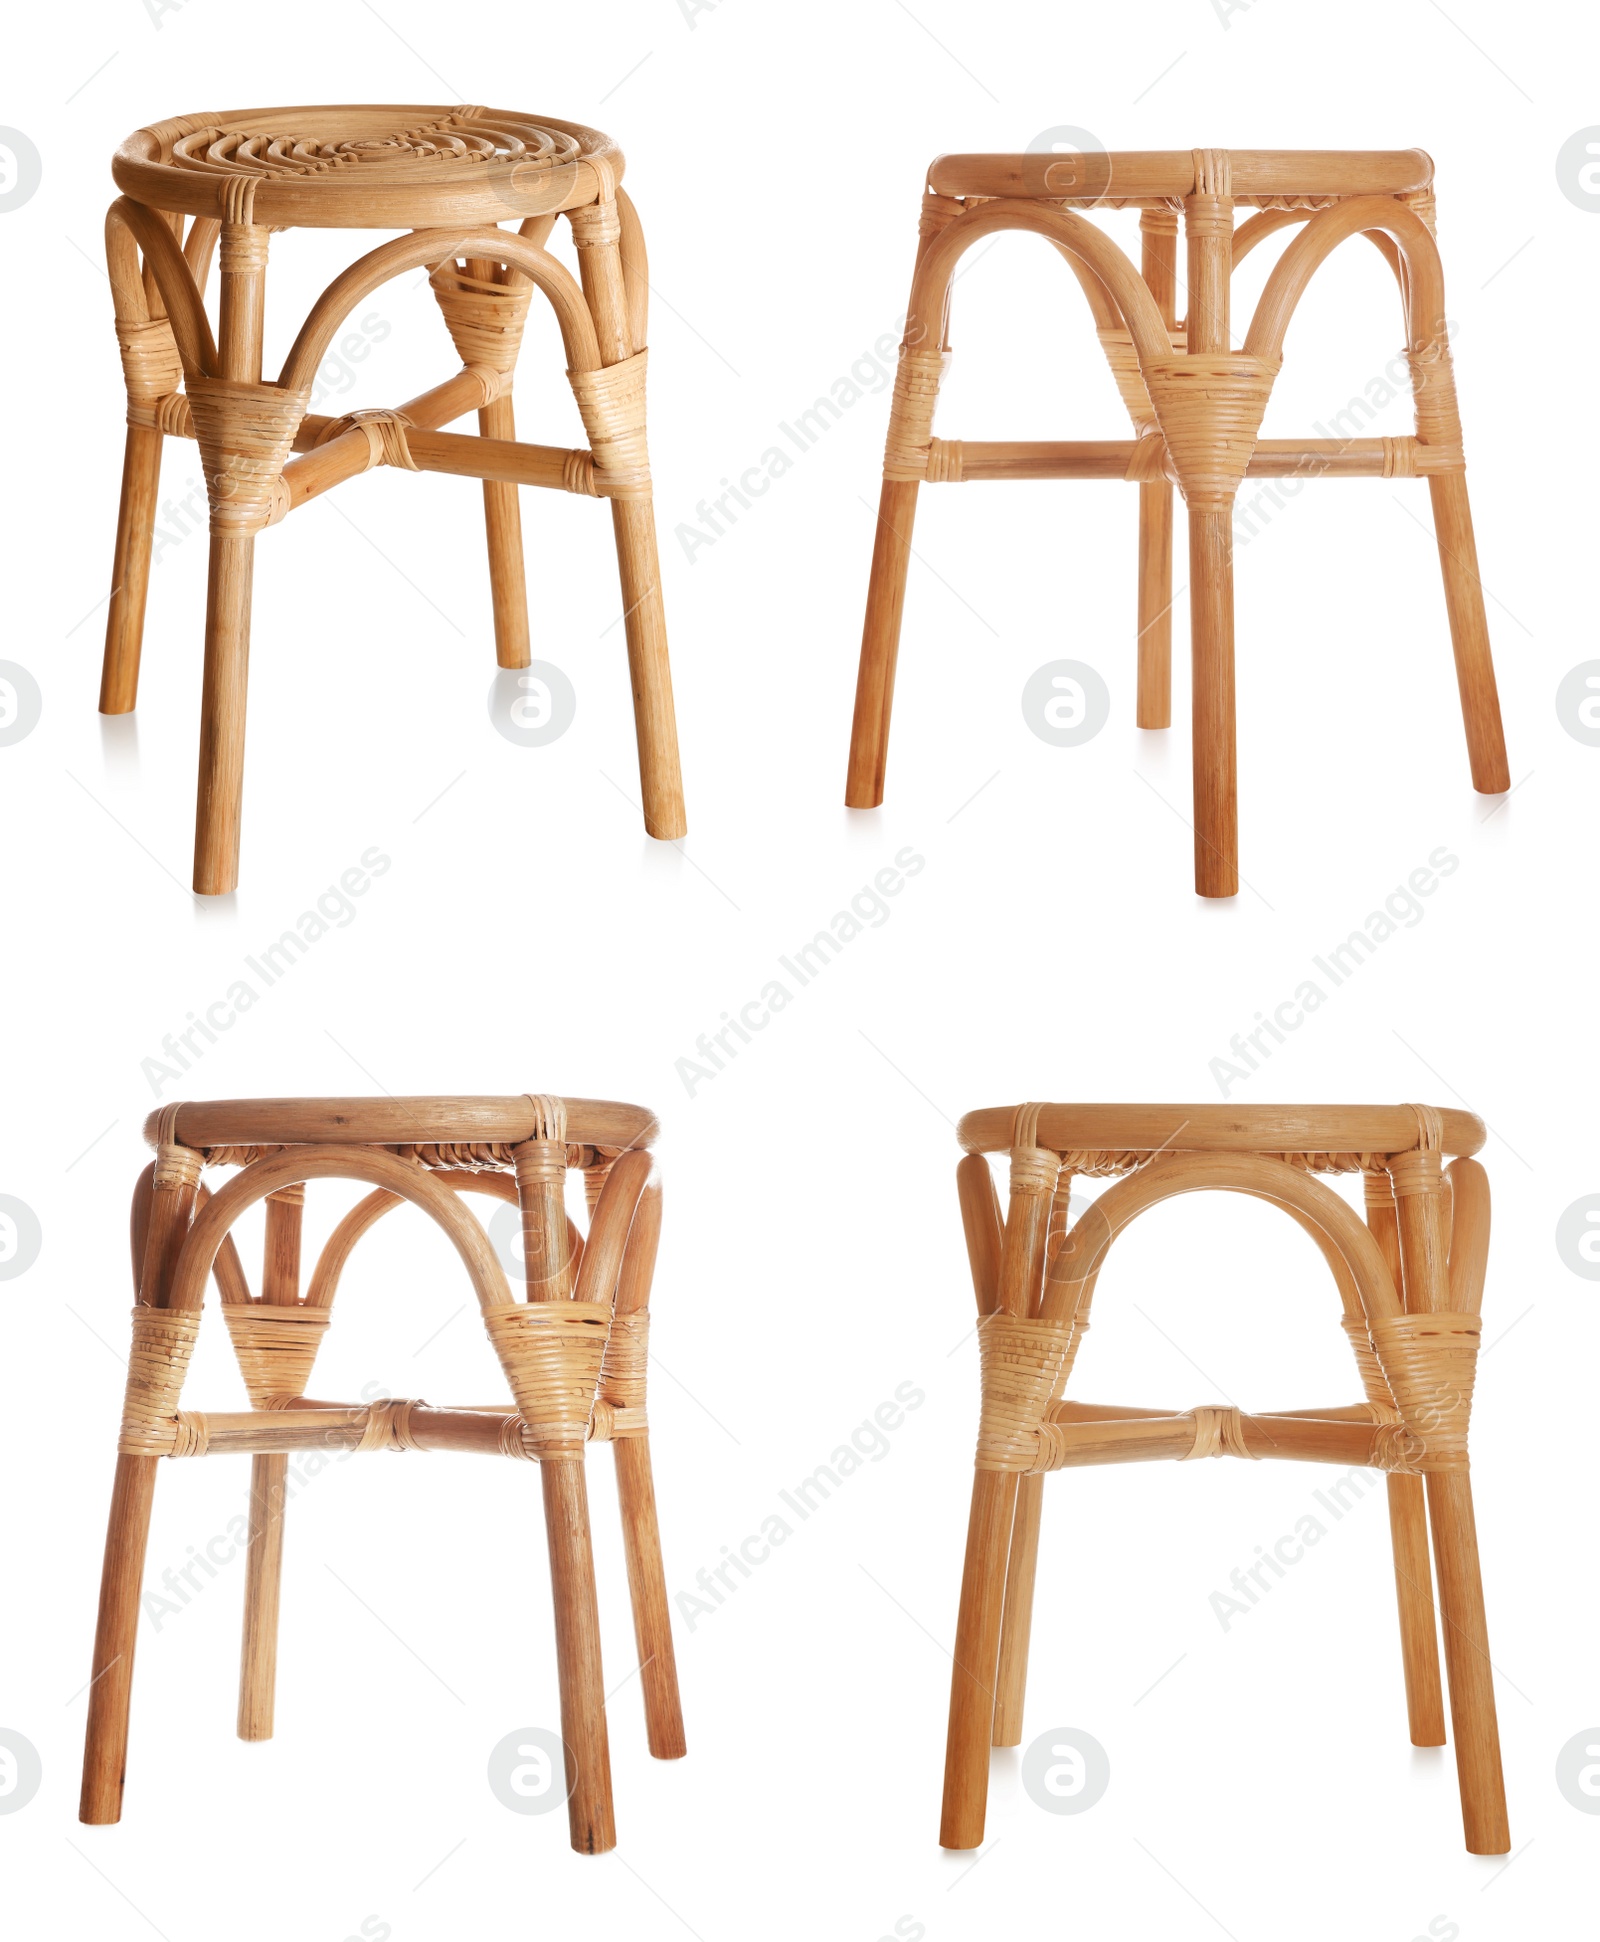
point(1196, 405)
point(450, 175)
point(573, 1354)
point(1410, 1280)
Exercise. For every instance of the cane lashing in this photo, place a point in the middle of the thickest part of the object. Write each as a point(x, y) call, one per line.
point(385, 434)
point(151, 366)
point(611, 404)
point(551, 1352)
point(485, 319)
point(245, 433)
point(276, 1344)
point(1025, 1361)
point(1218, 1431)
point(916, 391)
point(163, 1342)
point(1431, 1363)
point(1209, 405)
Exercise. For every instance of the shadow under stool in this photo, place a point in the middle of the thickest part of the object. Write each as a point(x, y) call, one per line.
point(450, 177)
point(1196, 396)
point(573, 1354)
point(1410, 1280)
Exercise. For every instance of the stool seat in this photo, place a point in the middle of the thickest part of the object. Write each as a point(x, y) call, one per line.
point(367, 167)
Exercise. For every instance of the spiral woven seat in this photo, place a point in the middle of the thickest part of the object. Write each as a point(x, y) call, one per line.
point(378, 167)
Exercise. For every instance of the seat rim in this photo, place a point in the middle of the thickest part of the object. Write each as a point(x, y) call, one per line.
point(1259, 175)
point(419, 1120)
point(417, 193)
point(1341, 1135)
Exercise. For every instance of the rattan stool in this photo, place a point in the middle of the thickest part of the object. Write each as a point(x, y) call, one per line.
point(1410, 1280)
point(450, 175)
point(1196, 403)
point(573, 1354)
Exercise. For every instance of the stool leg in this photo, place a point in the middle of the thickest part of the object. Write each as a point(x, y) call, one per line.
point(1419, 1636)
point(161, 1212)
point(645, 623)
point(1216, 807)
point(222, 711)
point(1466, 1657)
point(258, 1658)
point(972, 1677)
point(1155, 605)
point(269, 1476)
point(1016, 1620)
point(647, 1587)
point(1158, 229)
point(502, 519)
point(130, 571)
point(105, 1751)
point(597, 232)
point(1469, 632)
point(880, 644)
point(641, 1533)
point(577, 1624)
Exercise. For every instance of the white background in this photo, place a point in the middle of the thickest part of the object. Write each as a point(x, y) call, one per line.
point(527, 936)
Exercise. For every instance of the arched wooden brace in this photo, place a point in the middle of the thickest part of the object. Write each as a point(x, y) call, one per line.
point(340, 1244)
point(1422, 287)
point(431, 246)
point(298, 1164)
point(1344, 1239)
point(1103, 263)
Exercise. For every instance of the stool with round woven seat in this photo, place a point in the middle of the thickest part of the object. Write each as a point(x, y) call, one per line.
point(1410, 1282)
point(1196, 399)
point(573, 1354)
point(450, 176)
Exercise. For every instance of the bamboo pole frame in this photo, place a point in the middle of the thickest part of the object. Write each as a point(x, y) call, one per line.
point(574, 1353)
point(1410, 1282)
point(451, 177)
point(1196, 402)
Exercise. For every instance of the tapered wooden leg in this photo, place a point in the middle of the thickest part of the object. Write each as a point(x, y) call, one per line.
point(258, 1665)
point(1469, 632)
point(1466, 1658)
point(502, 519)
point(105, 1752)
point(972, 1678)
point(880, 644)
point(1216, 808)
point(1155, 604)
point(583, 1706)
point(655, 722)
point(222, 712)
point(647, 1587)
point(269, 1475)
point(1413, 1583)
point(1016, 1619)
point(130, 570)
